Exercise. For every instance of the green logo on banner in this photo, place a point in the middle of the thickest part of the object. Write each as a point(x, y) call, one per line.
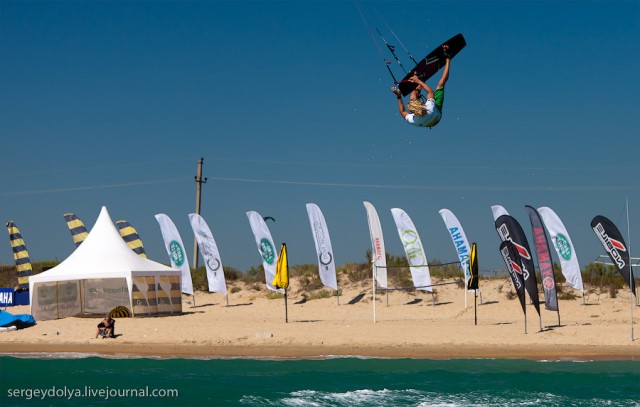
point(563, 246)
point(267, 251)
point(176, 253)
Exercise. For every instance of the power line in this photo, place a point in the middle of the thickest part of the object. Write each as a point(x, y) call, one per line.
point(93, 187)
point(96, 167)
point(430, 167)
point(336, 184)
point(434, 187)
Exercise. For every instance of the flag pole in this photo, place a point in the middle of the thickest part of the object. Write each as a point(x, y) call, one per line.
point(475, 306)
point(540, 322)
point(630, 269)
point(464, 273)
point(373, 268)
point(286, 309)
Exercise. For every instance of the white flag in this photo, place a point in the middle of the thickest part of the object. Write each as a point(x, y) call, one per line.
point(459, 238)
point(498, 211)
point(266, 248)
point(416, 256)
point(378, 253)
point(210, 253)
point(175, 250)
point(564, 247)
point(326, 263)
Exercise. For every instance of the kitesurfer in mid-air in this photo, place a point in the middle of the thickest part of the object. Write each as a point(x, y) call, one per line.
point(420, 113)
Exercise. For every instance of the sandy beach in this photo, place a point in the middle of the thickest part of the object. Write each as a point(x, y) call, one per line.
point(408, 325)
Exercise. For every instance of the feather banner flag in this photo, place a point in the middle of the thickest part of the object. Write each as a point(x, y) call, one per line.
point(175, 250)
point(564, 247)
point(474, 279)
point(508, 228)
point(210, 254)
point(20, 255)
point(266, 248)
point(460, 242)
point(378, 254)
point(130, 235)
point(76, 227)
point(543, 255)
point(413, 249)
point(512, 260)
point(281, 280)
point(324, 251)
point(612, 241)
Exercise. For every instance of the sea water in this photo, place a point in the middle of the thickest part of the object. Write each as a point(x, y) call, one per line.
point(80, 380)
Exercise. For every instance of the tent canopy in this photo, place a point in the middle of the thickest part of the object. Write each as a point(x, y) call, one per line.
point(105, 260)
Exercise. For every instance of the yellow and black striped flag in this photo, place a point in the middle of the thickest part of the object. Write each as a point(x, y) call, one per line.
point(130, 235)
point(76, 227)
point(20, 254)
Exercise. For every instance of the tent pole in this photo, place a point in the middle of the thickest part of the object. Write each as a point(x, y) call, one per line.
point(57, 301)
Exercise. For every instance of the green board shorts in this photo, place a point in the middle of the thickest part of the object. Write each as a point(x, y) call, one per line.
point(438, 96)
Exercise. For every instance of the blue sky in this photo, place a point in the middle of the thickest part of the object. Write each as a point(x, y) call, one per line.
point(113, 103)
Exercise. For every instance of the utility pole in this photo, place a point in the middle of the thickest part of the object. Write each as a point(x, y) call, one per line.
point(199, 182)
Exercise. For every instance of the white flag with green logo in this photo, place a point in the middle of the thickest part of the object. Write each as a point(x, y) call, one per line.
point(564, 247)
point(176, 251)
point(416, 256)
point(266, 248)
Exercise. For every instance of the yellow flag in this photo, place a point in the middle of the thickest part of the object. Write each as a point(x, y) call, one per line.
point(282, 269)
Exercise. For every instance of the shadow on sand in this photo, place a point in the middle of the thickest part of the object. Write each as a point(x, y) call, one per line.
point(356, 299)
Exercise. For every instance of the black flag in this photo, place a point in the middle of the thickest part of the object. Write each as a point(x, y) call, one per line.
point(473, 282)
point(614, 244)
point(544, 259)
point(514, 264)
point(509, 229)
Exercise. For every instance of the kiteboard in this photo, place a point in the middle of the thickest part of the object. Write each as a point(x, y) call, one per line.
point(429, 65)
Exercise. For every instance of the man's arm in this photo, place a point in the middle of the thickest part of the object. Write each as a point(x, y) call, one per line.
point(422, 85)
point(400, 103)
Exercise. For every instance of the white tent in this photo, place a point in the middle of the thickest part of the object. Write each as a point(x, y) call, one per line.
point(102, 273)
